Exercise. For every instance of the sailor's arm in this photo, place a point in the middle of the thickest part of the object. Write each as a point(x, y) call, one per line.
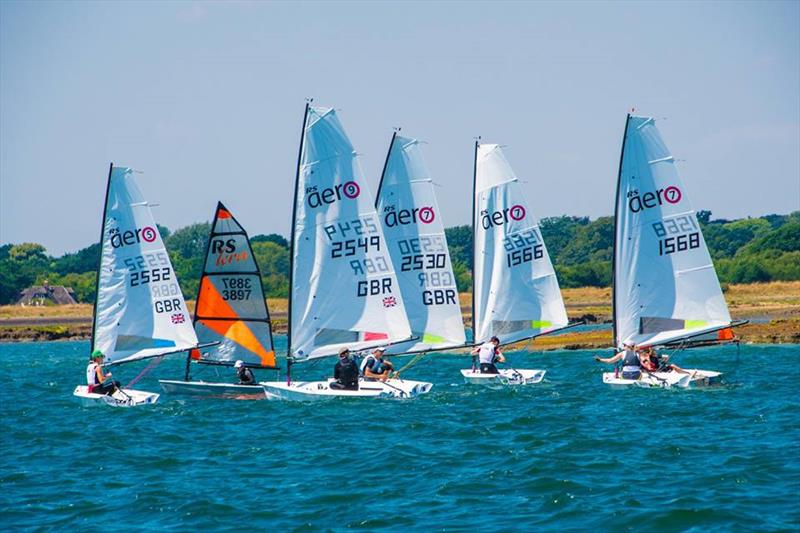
point(609, 360)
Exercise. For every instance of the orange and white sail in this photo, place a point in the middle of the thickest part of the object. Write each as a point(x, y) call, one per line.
point(231, 308)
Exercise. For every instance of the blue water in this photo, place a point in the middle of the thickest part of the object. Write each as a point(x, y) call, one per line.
point(570, 453)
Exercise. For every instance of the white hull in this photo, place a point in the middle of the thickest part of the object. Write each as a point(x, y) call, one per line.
point(213, 390)
point(320, 390)
point(694, 379)
point(126, 398)
point(507, 376)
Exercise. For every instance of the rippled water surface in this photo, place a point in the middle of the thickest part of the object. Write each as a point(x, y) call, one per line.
point(570, 453)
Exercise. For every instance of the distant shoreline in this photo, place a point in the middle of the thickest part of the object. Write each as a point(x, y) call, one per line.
point(773, 308)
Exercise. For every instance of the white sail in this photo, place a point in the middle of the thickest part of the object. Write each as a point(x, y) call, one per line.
point(140, 311)
point(515, 289)
point(231, 310)
point(415, 236)
point(344, 290)
point(665, 285)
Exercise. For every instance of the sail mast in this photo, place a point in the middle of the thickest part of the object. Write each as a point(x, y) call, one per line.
point(100, 257)
point(291, 238)
point(474, 258)
point(616, 233)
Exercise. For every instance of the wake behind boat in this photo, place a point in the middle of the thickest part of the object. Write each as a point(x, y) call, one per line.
point(515, 292)
point(231, 313)
point(344, 294)
point(139, 311)
point(665, 289)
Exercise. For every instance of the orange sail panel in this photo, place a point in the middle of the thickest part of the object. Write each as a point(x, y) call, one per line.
point(239, 332)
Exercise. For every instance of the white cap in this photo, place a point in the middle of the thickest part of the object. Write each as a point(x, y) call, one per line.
point(238, 364)
point(381, 349)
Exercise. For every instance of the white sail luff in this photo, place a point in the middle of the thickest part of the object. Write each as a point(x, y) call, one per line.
point(665, 285)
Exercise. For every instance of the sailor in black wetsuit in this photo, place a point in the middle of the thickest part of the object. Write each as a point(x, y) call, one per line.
point(345, 372)
point(244, 374)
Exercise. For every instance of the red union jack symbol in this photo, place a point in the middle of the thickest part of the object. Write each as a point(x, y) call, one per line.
point(389, 302)
point(178, 318)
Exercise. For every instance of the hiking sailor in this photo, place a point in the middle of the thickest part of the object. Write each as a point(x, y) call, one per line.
point(374, 366)
point(99, 383)
point(489, 354)
point(345, 373)
point(244, 374)
point(631, 365)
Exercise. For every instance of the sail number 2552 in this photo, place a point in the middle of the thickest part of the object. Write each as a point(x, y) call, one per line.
point(148, 268)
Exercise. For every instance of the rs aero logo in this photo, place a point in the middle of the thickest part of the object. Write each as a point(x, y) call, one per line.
point(393, 217)
point(637, 202)
point(329, 195)
point(498, 218)
point(128, 237)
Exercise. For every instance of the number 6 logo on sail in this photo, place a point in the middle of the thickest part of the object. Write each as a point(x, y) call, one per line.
point(351, 189)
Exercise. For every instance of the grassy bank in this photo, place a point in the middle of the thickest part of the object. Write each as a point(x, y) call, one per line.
point(773, 308)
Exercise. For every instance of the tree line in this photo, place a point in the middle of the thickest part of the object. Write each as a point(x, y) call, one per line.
point(744, 251)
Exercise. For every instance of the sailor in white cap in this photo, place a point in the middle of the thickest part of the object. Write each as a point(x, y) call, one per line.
point(244, 374)
point(376, 366)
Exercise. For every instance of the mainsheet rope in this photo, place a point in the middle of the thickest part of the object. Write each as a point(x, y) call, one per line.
point(154, 363)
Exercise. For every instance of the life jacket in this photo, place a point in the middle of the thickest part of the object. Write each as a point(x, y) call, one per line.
point(631, 360)
point(488, 353)
point(348, 372)
point(373, 363)
point(91, 375)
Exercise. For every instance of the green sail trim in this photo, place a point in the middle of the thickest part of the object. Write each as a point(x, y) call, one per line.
point(541, 324)
point(691, 324)
point(428, 338)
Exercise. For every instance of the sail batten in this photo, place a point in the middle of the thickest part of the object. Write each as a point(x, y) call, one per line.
point(515, 289)
point(139, 310)
point(344, 291)
point(412, 223)
point(665, 284)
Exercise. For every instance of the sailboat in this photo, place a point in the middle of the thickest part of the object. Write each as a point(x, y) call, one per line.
point(665, 288)
point(139, 310)
point(515, 292)
point(409, 213)
point(343, 288)
point(231, 312)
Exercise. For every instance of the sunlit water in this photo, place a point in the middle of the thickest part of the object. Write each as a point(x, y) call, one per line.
point(570, 453)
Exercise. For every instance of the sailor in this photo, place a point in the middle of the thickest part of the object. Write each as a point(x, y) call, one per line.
point(99, 383)
point(488, 355)
point(631, 364)
point(244, 374)
point(375, 366)
point(661, 362)
point(345, 373)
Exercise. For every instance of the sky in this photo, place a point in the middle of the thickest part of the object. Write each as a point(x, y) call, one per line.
point(206, 99)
